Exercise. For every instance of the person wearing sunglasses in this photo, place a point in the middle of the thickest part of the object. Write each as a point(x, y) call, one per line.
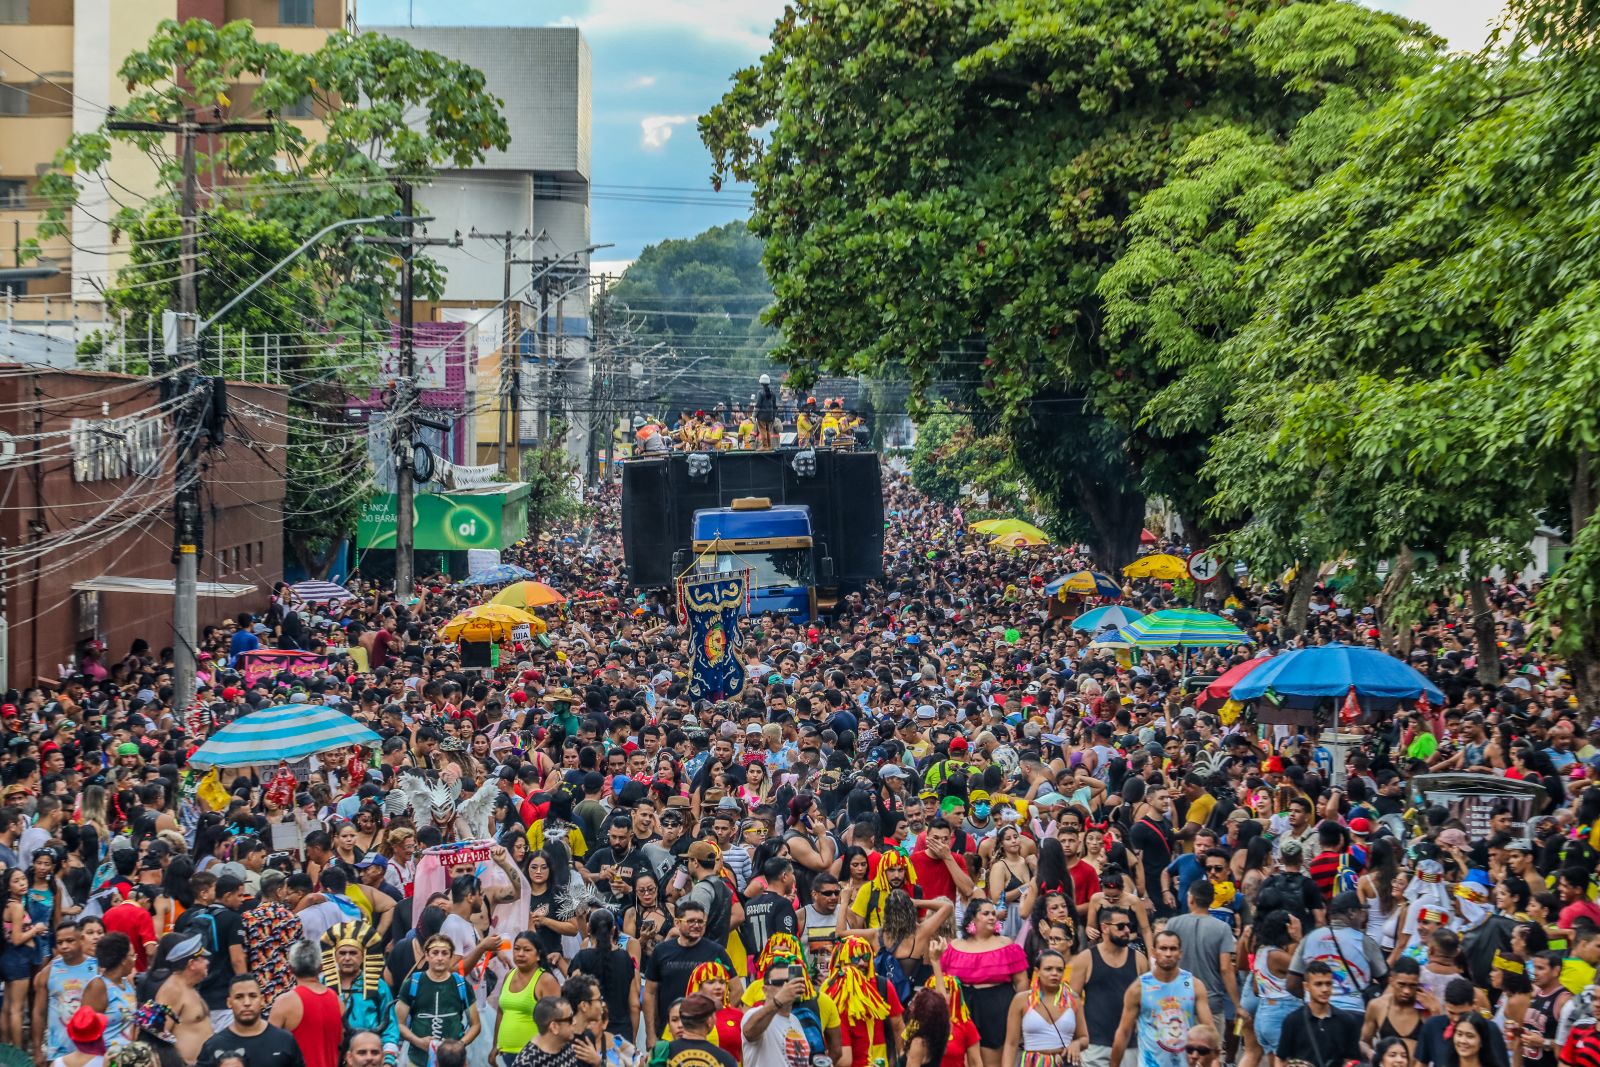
point(555, 1044)
point(1099, 977)
point(1202, 1046)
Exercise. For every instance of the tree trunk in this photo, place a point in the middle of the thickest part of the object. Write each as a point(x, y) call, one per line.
point(1483, 631)
point(1584, 662)
point(1116, 518)
point(1299, 610)
point(1394, 640)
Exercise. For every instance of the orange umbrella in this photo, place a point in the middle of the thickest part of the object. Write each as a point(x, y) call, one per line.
point(528, 595)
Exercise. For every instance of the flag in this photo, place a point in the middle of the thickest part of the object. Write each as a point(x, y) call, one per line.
point(713, 603)
point(1351, 713)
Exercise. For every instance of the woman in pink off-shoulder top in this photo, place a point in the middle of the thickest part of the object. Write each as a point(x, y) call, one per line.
point(990, 968)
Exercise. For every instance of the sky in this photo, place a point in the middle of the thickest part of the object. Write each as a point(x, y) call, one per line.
point(659, 64)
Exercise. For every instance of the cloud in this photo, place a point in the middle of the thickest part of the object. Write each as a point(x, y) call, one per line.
point(746, 23)
point(657, 130)
point(643, 81)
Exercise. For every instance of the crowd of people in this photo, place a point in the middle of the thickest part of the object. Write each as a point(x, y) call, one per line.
point(759, 425)
point(939, 826)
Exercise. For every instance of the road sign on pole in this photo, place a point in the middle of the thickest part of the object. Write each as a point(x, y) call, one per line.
point(1203, 567)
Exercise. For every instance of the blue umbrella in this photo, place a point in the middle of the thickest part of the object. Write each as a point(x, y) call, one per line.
point(1330, 671)
point(287, 732)
point(1085, 583)
point(504, 574)
point(1095, 620)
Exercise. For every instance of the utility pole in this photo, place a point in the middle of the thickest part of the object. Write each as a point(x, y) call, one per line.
point(195, 406)
point(510, 354)
point(406, 393)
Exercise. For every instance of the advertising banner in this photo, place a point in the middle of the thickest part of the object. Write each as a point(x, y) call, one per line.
point(264, 663)
point(447, 522)
point(1473, 798)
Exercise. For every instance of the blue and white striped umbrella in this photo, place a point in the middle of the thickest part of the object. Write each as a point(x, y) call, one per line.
point(504, 574)
point(313, 592)
point(286, 732)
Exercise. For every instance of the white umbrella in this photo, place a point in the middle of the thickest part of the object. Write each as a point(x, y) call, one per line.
point(287, 732)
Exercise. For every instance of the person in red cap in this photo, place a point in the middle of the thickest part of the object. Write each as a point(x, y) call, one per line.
point(87, 1032)
point(954, 763)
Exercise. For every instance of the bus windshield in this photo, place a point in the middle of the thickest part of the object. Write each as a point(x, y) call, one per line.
point(776, 569)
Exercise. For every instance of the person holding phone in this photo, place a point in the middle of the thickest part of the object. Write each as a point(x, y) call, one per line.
point(772, 1033)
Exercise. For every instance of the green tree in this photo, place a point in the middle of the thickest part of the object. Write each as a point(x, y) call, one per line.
point(701, 300)
point(1179, 292)
point(941, 186)
point(1422, 349)
point(387, 110)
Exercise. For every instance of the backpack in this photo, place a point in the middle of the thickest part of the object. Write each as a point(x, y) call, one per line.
point(891, 971)
point(461, 987)
point(1346, 876)
point(1282, 892)
point(810, 1019)
point(721, 912)
point(205, 921)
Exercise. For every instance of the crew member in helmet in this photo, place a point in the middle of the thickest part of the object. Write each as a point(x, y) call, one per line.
point(766, 413)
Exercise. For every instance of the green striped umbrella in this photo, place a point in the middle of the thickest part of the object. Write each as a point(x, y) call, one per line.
point(1181, 628)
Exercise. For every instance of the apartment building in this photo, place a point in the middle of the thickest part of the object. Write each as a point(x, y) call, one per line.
point(58, 75)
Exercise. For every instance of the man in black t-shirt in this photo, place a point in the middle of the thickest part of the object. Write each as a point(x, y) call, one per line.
point(1318, 1033)
point(249, 1035)
point(666, 974)
point(612, 870)
point(692, 1049)
point(1151, 839)
point(216, 918)
point(771, 913)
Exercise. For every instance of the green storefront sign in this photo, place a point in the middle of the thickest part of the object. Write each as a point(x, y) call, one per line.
point(450, 522)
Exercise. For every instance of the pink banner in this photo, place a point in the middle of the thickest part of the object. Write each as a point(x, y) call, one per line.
point(264, 663)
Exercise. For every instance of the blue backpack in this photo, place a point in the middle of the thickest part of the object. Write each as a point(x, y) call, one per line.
point(890, 970)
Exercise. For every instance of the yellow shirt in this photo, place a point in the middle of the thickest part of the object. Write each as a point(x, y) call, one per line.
point(1199, 811)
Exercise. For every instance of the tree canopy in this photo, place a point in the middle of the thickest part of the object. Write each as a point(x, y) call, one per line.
point(700, 299)
point(942, 187)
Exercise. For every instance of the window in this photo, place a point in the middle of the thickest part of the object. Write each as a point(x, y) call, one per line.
point(249, 554)
point(300, 109)
point(14, 12)
point(548, 185)
point(13, 99)
point(13, 192)
point(297, 12)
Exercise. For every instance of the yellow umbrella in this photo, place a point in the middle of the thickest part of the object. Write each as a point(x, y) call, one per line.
point(986, 525)
point(489, 622)
point(1004, 527)
point(1161, 565)
point(1019, 539)
point(528, 595)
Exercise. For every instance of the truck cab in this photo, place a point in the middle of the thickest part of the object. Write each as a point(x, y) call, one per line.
point(776, 544)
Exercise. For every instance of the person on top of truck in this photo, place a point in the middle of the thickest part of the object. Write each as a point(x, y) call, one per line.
point(766, 414)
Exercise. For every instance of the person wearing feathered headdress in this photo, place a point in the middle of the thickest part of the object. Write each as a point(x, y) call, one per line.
point(712, 979)
point(864, 1002)
point(352, 966)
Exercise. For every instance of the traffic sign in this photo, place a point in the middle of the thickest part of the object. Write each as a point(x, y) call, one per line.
point(1203, 567)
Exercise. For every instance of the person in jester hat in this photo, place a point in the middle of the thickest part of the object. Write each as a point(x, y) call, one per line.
point(712, 979)
point(816, 1010)
point(869, 1009)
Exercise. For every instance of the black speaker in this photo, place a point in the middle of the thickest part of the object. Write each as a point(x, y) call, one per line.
point(647, 541)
